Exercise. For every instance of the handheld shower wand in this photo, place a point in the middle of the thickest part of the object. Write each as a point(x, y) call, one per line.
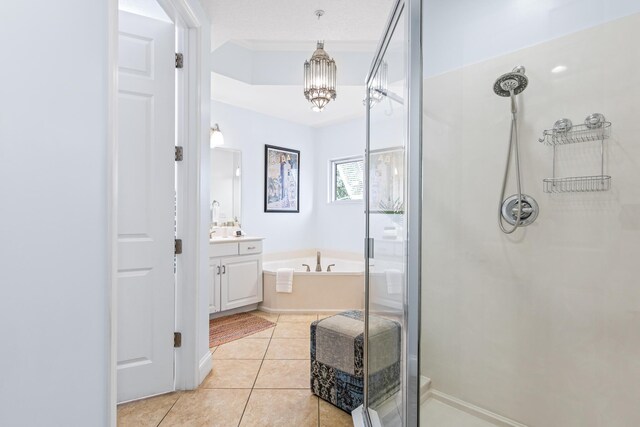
point(518, 210)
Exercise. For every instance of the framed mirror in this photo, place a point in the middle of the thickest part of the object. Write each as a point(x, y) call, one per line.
point(226, 185)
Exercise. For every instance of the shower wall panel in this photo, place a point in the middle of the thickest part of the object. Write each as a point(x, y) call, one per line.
point(542, 326)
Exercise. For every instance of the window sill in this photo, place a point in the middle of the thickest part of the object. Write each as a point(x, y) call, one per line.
point(345, 202)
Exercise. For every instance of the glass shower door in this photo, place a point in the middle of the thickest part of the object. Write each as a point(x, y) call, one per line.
point(393, 222)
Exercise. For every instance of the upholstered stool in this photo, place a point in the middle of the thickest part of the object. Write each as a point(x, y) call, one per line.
point(337, 345)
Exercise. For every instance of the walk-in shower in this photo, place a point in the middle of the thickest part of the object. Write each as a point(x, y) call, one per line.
point(518, 210)
point(513, 331)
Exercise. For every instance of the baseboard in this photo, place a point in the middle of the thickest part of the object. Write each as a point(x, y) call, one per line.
point(474, 410)
point(204, 367)
point(425, 386)
point(250, 307)
point(302, 310)
point(358, 417)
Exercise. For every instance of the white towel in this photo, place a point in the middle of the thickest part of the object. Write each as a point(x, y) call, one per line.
point(284, 280)
point(394, 281)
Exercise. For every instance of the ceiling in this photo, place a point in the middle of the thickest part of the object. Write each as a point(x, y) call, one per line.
point(149, 8)
point(257, 47)
point(294, 20)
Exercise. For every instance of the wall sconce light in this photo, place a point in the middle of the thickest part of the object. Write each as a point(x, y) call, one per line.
point(216, 138)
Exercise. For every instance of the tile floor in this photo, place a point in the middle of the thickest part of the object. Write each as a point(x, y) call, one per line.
point(261, 380)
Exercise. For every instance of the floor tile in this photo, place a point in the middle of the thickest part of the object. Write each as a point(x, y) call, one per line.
point(291, 330)
point(232, 374)
point(262, 334)
point(146, 412)
point(288, 348)
point(308, 318)
point(330, 416)
point(208, 408)
point(272, 317)
point(281, 408)
point(284, 374)
point(245, 348)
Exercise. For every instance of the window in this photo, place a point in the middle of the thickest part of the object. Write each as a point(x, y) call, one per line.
point(347, 179)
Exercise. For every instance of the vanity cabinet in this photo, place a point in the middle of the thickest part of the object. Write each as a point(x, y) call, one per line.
point(214, 285)
point(235, 270)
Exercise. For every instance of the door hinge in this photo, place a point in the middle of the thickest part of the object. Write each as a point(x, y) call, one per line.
point(179, 60)
point(179, 153)
point(177, 339)
point(178, 247)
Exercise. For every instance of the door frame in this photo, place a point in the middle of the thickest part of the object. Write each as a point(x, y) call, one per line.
point(411, 11)
point(192, 184)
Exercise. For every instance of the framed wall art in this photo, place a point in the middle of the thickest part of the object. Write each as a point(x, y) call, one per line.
point(282, 179)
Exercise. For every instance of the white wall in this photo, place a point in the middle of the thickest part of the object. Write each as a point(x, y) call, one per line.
point(341, 223)
point(53, 220)
point(249, 131)
point(467, 31)
point(259, 66)
point(541, 326)
point(320, 224)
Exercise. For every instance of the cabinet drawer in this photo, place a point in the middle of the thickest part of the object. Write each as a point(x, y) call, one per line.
point(223, 249)
point(254, 247)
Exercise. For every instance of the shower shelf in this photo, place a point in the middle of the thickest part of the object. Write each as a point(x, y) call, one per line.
point(577, 184)
point(578, 133)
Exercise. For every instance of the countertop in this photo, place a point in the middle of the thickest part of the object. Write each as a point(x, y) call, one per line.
point(234, 239)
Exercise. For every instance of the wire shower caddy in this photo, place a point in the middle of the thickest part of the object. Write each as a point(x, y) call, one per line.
point(564, 133)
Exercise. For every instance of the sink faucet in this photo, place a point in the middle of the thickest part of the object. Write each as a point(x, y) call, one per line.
point(318, 266)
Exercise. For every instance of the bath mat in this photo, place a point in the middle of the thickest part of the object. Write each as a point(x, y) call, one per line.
point(230, 328)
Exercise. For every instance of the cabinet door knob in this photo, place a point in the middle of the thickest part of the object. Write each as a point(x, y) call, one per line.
point(251, 248)
point(224, 269)
point(218, 270)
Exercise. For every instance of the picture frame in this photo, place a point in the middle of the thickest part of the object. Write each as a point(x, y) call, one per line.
point(281, 180)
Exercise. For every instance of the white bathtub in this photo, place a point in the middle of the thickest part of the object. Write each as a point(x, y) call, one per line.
point(335, 291)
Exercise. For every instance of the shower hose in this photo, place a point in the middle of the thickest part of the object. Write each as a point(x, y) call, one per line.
point(513, 146)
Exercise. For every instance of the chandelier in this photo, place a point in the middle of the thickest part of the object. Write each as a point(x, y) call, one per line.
point(378, 87)
point(319, 76)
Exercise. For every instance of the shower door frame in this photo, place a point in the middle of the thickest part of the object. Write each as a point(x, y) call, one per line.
point(411, 11)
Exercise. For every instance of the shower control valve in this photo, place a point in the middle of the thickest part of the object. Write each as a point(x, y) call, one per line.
point(528, 211)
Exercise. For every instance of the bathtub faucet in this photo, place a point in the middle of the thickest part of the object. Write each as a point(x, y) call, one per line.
point(318, 266)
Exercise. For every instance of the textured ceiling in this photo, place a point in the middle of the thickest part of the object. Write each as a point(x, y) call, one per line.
point(294, 20)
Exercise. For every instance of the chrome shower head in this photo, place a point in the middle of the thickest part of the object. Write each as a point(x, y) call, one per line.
point(514, 81)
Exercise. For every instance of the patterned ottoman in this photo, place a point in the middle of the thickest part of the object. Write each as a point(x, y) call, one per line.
point(337, 359)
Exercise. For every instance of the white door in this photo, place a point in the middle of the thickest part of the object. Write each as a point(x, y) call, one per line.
point(146, 120)
point(241, 281)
